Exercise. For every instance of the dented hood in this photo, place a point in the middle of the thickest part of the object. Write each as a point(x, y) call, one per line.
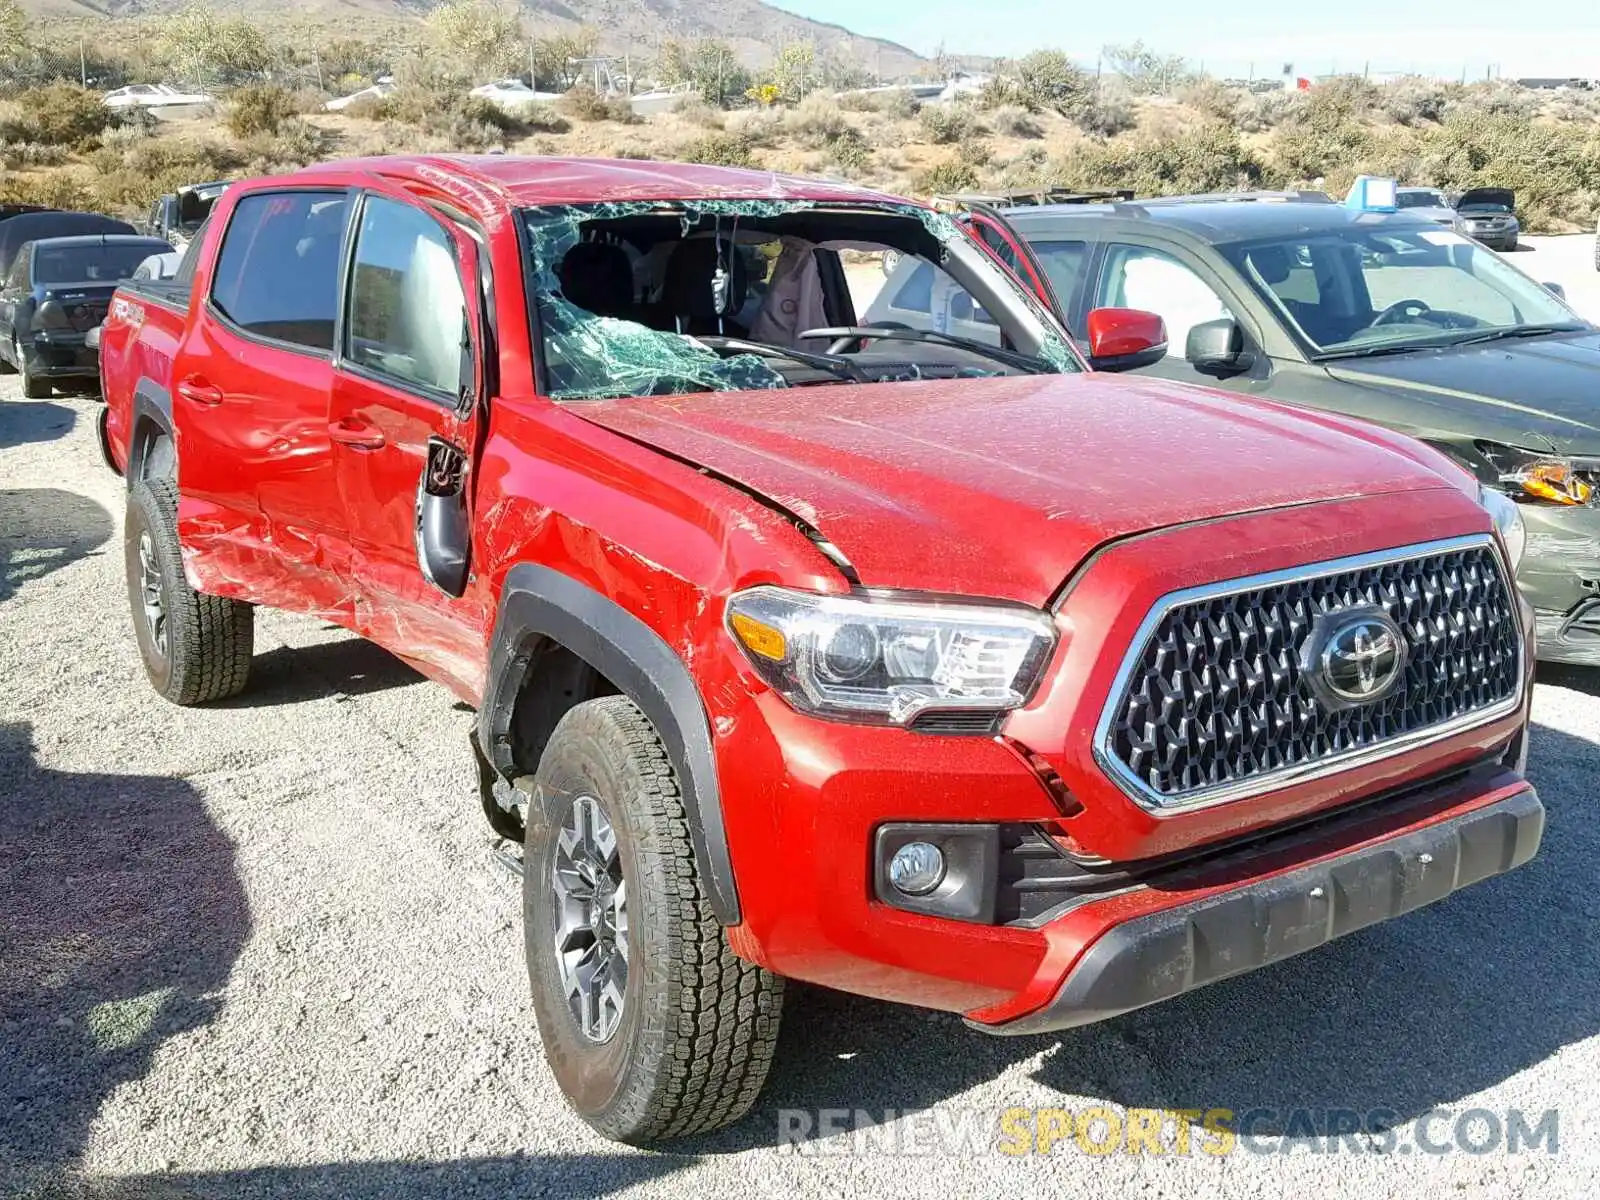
point(1000, 487)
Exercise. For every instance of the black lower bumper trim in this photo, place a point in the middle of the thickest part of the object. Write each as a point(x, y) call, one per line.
point(1164, 954)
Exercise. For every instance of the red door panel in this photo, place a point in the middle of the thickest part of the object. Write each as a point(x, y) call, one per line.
point(259, 503)
point(396, 391)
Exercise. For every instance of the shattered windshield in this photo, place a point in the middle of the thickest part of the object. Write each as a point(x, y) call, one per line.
point(665, 298)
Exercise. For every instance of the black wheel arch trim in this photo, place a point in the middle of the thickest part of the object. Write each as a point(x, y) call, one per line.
point(152, 405)
point(540, 602)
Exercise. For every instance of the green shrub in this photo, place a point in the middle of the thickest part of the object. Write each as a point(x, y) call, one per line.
point(1209, 158)
point(947, 124)
point(62, 114)
point(817, 121)
point(1012, 120)
point(849, 151)
point(948, 175)
point(717, 150)
point(1048, 79)
point(1106, 113)
point(897, 103)
point(259, 109)
point(585, 104)
point(57, 190)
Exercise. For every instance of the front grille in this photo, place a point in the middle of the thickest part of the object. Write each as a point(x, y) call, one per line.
point(1213, 701)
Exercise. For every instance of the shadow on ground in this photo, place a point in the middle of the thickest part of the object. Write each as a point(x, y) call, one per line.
point(34, 421)
point(557, 1175)
point(123, 916)
point(1411, 1015)
point(44, 529)
point(350, 666)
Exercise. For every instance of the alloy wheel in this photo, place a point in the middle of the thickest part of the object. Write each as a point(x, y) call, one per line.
point(150, 594)
point(591, 919)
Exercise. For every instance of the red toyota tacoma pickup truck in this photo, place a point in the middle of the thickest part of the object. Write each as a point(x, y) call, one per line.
point(967, 677)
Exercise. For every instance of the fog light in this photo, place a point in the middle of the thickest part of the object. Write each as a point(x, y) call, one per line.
point(916, 868)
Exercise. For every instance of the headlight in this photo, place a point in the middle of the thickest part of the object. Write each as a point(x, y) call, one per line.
point(1538, 476)
point(885, 661)
point(1507, 520)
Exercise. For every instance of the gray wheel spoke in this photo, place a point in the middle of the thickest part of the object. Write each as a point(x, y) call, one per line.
point(150, 595)
point(590, 933)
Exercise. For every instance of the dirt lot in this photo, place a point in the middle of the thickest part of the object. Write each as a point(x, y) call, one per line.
point(263, 949)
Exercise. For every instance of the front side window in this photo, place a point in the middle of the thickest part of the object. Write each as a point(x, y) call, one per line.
point(408, 312)
point(1356, 290)
point(277, 274)
point(1154, 281)
point(1063, 262)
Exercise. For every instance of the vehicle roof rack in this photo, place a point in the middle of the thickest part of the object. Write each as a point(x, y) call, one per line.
point(1030, 197)
point(1299, 196)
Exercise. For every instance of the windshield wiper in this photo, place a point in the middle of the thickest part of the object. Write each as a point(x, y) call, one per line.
point(836, 365)
point(1520, 331)
point(1385, 348)
point(1030, 363)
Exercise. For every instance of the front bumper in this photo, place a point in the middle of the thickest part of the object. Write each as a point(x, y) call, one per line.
point(806, 801)
point(62, 355)
point(1560, 578)
point(1176, 949)
point(1495, 239)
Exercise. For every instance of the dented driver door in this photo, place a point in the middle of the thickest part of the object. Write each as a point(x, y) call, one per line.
point(403, 420)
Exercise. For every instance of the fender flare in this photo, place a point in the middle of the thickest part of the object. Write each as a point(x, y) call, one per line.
point(152, 404)
point(538, 602)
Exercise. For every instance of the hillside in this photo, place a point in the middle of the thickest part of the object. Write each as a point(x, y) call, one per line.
point(627, 26)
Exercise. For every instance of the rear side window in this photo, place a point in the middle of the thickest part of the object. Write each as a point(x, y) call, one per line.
point(408, 313)
point(191, 255)
point(277, 275)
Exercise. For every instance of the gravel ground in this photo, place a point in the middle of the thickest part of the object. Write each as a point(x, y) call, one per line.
point(264, 949)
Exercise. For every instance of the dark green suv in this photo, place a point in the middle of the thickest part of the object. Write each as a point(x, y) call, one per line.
point(1386, 317)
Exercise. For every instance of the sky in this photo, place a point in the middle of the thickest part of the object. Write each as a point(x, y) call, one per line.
point(1427, 36)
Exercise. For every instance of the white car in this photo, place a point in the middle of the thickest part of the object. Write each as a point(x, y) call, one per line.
point(159, 266)
point(377, 91)
point(161, 99)
point(513, 94)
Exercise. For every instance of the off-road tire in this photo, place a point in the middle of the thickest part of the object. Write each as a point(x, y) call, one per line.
point(209, 639)
point(699, 1026)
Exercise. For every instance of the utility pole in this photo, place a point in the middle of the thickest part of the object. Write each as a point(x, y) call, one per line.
point(533, 74)
point(83, 64)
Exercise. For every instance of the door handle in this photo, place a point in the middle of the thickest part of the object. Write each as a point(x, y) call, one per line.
point(355, 434)
point(196, 390)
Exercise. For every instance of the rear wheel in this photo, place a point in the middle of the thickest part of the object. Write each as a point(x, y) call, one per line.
point(195, 647)
point(652, 1027)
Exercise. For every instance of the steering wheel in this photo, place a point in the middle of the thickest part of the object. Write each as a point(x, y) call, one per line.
point(1402, 310)
point(850, 345)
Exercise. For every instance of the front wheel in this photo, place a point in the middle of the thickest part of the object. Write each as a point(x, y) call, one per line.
point(653, 1028)
point(33, 387)
point(195, 647)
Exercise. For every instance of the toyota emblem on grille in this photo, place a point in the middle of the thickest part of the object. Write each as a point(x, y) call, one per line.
point(1354, 656)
